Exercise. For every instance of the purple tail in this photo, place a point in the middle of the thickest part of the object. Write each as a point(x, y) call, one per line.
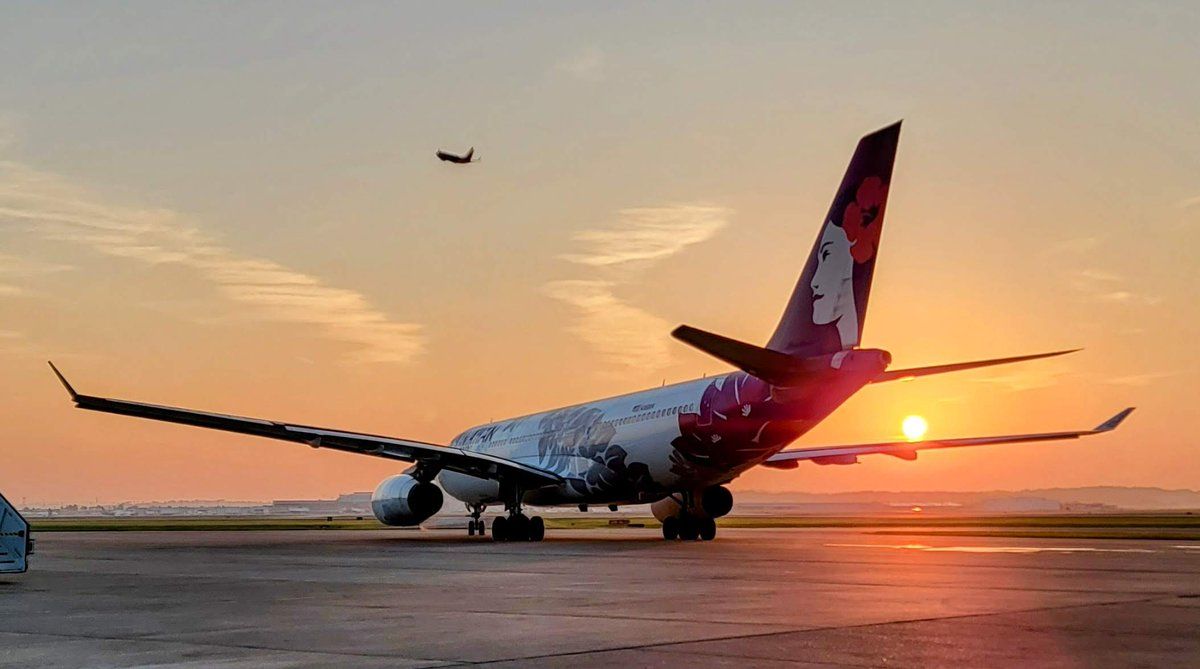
point(829, 305)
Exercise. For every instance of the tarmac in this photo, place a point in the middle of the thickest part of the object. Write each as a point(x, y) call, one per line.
point(617, 597)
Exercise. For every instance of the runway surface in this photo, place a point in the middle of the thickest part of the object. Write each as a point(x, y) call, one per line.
point(769, 598)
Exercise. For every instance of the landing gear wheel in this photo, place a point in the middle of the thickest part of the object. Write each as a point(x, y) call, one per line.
point(671, 529)
point(518, 527)
point(500, 529)
point(708, 529)
point(476, 525)
point(537, 528)
point(688, 530)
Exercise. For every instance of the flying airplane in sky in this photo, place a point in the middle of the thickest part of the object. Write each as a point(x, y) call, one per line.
point(674, 447)
point(448, 157)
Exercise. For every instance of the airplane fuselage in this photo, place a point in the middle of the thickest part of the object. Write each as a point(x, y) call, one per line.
point(448, 157)
point(642, 446)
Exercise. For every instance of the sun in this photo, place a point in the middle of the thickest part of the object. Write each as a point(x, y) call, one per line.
point(914, 427)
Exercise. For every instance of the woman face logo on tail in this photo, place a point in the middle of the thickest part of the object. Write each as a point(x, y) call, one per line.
point(833, 285)
point(843, 245)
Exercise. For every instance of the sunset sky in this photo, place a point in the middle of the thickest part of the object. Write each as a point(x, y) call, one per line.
point(237, 208)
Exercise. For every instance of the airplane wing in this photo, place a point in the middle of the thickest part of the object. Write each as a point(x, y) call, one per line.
point(907, 450)
point(445, 457)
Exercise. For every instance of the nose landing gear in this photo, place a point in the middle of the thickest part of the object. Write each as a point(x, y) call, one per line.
point(476, 525)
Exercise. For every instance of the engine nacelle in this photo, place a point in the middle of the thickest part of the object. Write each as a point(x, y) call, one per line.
point(665, 508)
point(403, 500)
point(717, 501)
point(469, 489)
point(713, 502)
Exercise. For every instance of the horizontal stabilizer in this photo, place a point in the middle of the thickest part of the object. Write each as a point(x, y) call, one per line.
point(914, 372)
point(773, 367)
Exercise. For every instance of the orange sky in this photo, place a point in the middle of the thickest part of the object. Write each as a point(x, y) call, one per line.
point(242, 213)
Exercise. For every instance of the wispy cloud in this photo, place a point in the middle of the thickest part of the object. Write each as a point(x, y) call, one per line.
point(1099, 276)
point(52, 208)
point(623, 334)
point(1104, 286)
point(1188, 203)
point(1017, 381)
point(586, 64)
point(18, 269)
point(1128, 297)
point(21, 268)
point(648, 234)
point(1139, 380)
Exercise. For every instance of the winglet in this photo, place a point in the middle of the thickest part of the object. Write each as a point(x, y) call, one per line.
point(71, 391)
point(1112, 423)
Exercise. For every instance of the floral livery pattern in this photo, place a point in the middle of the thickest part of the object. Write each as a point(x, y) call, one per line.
point(860, 214)
point(580, 433)
point(737, 421)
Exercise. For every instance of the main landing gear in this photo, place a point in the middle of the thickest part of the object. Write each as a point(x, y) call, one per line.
point(688, 526)
point(517, 526)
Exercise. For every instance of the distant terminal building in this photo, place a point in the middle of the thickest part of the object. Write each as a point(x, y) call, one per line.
point(349, 504)
point(1018, 505)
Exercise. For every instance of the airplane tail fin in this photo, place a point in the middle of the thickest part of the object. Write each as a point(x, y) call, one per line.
point(829, 304)
point(470, 153)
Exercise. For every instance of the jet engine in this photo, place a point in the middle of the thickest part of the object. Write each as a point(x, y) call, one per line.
point(712, 502)
point(405, 501)
point(717, 501)
point(665, 508)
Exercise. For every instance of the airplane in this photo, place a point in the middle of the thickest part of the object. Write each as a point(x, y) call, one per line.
point(446, 156)
point(675, 447)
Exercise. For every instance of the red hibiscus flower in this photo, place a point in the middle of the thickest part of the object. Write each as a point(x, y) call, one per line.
point(862, 217)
